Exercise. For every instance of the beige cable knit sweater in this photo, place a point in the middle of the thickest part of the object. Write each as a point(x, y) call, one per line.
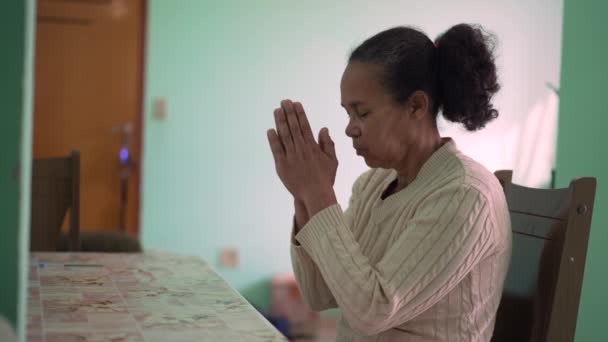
point(424, 264)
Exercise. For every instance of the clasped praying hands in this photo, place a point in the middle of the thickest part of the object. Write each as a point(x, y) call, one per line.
point(306, 168)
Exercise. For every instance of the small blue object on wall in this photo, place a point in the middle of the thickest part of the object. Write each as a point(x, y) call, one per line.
point(124, 155)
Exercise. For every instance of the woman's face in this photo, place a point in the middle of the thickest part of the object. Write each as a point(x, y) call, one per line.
point(381, 129)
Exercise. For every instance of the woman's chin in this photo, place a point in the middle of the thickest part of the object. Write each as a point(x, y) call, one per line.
point(368, 161)
point(372, 163)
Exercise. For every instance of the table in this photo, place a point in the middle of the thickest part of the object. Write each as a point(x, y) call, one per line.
point(151, 296)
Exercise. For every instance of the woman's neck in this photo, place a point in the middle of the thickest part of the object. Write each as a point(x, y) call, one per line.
point(417, 155)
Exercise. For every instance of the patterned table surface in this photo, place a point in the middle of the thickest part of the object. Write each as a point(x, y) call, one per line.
point(154, 296)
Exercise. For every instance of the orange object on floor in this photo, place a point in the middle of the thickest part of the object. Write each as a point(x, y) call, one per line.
point(287, 302)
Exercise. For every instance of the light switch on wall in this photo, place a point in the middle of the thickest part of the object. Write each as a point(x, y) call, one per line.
point(159, 108)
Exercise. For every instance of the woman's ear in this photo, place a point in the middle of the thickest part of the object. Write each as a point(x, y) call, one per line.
point(419, 104)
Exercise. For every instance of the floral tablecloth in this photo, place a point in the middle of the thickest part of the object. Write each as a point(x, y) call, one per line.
point(153, 296)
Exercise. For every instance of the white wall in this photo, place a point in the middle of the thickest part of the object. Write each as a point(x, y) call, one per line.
point(209, 178)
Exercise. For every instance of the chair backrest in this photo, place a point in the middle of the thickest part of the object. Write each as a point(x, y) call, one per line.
point(55, 189)
point(104, 242)
point(550, 233)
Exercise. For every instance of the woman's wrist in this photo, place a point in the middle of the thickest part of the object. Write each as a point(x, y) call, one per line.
point(301, 214)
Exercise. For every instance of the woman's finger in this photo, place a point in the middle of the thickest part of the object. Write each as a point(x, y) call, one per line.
point(327, 144)
point(304, 125)
point(275, 145)
point(294, 126)
point(283, 130)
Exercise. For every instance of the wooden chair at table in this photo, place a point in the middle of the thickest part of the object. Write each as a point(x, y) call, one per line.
point(55, 189)
point(103, 242)
point(543, 286)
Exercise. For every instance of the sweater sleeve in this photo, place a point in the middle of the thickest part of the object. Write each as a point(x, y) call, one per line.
point(448, 235)
point(312, 286)
point(310, 281)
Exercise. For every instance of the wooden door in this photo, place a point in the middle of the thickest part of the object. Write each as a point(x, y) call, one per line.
point(88, 86)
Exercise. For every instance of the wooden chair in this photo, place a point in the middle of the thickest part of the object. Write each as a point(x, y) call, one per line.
point(103, 242)
point(55, 188)
point(543, 286)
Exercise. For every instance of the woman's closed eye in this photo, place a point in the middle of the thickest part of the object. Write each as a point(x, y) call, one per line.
point(359, 115)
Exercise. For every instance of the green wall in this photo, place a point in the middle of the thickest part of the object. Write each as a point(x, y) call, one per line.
point(583, 120)
point(17, 34)
point(12, 36)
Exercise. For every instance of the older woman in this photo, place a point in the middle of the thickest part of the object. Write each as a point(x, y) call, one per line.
point(422, 250)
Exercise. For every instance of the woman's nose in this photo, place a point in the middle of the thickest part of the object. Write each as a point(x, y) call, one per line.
point(352, 129)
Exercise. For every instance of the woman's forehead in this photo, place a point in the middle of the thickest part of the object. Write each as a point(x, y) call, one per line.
point(360, 82)
point(361, 73)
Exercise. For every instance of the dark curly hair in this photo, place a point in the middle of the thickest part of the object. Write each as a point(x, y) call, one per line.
point(457, 71)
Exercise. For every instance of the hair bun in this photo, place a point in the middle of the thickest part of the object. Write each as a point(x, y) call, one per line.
point(467, 77)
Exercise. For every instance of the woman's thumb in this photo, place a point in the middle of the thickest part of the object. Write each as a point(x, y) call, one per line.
point(327, 145)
